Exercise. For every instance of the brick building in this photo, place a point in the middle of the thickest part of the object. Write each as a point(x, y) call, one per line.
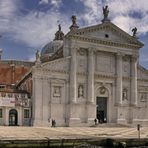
point(15, 105)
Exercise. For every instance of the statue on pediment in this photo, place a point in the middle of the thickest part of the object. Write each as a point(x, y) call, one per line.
point(105, 13)
point(134, 30)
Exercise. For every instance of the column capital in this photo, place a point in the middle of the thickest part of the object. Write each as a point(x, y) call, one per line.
point(91, 50)
point(134, 58)
point(120, 54)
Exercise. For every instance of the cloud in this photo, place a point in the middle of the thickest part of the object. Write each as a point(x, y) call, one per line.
point(43, 2)
point(34, 29)
point(8, 10)
point(92, 11)
point(54, 3)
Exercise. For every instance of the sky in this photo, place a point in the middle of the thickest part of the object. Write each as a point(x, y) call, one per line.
point(27, 25)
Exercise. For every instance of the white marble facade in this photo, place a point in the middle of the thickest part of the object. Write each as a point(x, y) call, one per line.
point(99, 62)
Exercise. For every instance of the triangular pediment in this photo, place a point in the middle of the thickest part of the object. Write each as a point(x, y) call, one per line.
point(107, 32)
point(142, 72)
point(59, 65)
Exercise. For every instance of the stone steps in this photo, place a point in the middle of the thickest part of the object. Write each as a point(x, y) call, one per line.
point(111, 125)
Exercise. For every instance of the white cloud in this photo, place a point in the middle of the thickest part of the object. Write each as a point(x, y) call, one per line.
point(92, 11)
point(37, 29)
point(56, 3)
point(8, 10)
point(34, 29)
point(43, 2)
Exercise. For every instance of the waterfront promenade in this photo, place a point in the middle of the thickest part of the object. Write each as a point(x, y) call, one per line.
point(35, 133)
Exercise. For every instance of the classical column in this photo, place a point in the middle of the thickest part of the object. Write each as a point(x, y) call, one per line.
point(73, 76)
point(90, 75)
point(134, 80)
point(119, 79)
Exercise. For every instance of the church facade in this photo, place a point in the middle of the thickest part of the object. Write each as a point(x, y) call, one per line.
point(89, 73)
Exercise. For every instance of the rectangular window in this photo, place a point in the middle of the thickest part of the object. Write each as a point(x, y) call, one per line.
point(1, 113)
point(26, 113)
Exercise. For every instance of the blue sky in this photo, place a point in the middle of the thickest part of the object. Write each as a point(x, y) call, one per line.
point(27, 25)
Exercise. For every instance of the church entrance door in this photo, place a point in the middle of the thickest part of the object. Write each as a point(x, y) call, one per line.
point(13, 117)
point(101, 115)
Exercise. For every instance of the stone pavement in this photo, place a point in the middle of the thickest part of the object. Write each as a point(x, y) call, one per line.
point(35, 133)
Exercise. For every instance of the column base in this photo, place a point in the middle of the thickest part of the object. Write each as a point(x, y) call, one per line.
point(90, 121)
point(74, 122)
point(121, 121)
point(41, 123)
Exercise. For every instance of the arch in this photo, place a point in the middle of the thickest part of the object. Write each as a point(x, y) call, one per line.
point(107, 92)
point(102, 99)
point(13, 117)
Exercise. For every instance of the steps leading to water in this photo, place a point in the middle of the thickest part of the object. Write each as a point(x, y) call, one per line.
point(111, 125)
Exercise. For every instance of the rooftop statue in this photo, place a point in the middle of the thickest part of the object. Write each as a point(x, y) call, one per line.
point(105, 13)
point(74, 24)
point(37, 55)
point(134, 30)
point(59, 35)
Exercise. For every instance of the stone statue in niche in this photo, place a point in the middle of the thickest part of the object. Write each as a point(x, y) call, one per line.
point(80, 91)
point(143, 97)
point(57, 91)
point(124, 95)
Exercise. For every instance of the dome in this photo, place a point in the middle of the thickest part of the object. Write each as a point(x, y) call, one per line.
point(51, 47)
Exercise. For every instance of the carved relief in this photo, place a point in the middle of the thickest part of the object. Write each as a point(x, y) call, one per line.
point(82, 52)
point(102, 90)
point(57, 91)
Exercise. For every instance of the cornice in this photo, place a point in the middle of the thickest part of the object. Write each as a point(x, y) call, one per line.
point(107, 26)
point(126, 78)
point(143, 69)
point(56, 61)
point(142, 80)
point(103, 42)
point(41, 71)
point(105, 76)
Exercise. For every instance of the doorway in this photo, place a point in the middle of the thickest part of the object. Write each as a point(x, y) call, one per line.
point(101, 113)
point(13, 117)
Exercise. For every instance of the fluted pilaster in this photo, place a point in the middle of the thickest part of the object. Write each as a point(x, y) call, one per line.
point(119, 79)
point(91, 75)
point(134, 80)
point(73, 76)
